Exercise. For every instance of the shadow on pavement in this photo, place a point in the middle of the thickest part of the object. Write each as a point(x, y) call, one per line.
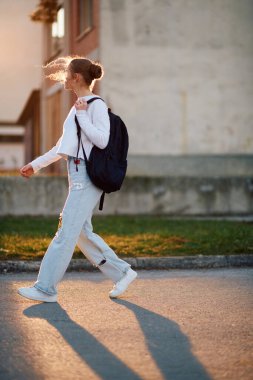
point(169, 347)
point(15, 364)
point(95, 354)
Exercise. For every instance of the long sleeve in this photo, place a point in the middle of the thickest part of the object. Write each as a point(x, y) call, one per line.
point(98, 130)
point(47, 158)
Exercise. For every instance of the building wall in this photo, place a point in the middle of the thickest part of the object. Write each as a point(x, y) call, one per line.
point(85, 44)
point(11, 156)
point(11, 147)
point(180, 73)
point(21, 56)
point(56, 102)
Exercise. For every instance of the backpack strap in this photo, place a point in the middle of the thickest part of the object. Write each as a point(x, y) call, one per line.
point(101, 203)
point(95, 98)
point(79, 131)
point(79, 141)
point(92, 99)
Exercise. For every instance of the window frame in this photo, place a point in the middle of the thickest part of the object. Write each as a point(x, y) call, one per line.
point(81, 34)
point(52, 54)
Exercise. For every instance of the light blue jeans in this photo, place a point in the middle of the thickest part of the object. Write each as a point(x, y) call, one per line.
point(75, 228)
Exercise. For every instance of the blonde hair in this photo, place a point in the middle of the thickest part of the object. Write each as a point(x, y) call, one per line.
point(90, 70)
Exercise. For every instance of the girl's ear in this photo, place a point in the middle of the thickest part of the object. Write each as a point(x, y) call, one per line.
point(77, 77)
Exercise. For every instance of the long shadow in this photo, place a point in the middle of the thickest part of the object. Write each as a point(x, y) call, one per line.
point(95, 354)
point(15, 364)
point(169, 347)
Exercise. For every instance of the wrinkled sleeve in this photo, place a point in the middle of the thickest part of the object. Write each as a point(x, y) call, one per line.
point(47, 158)
point(98, 130)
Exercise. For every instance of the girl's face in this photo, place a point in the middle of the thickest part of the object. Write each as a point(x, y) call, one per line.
point(70, 82)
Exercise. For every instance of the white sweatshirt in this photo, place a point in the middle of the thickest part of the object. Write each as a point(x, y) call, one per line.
point(95, 130)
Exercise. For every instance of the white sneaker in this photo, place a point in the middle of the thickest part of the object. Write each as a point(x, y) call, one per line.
point(123, 284)
point(34, 294)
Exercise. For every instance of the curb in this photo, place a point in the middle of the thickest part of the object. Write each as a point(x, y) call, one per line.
point(181, 262)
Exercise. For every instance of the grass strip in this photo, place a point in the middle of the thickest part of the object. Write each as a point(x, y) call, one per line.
point(27, 238)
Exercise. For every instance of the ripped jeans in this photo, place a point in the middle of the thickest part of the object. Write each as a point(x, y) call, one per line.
point(75, 228)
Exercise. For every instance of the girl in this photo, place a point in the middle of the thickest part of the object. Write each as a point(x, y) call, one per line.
point(75, 225)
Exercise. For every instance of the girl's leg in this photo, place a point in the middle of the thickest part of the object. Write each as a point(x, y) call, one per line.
point(100, 254)
point(82, 198)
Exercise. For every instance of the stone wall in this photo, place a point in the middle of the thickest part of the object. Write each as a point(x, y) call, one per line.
point(139, 195)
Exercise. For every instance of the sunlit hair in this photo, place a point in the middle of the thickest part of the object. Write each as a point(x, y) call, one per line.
point(90, 70)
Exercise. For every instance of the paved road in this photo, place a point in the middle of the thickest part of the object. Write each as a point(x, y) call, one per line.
point(178, 324)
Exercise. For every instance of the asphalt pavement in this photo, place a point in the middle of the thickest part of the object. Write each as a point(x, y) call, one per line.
point(172, 324)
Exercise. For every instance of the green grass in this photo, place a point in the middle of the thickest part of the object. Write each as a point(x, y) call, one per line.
point(27, 238)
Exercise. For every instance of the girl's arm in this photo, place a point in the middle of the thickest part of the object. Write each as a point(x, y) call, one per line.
point(46, 159)
point(98, 130)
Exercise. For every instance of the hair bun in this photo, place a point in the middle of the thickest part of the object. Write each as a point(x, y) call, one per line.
point(96, 71)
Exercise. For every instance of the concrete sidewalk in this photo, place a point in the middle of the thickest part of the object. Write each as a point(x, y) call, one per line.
point(175, 262)
point(175, 325)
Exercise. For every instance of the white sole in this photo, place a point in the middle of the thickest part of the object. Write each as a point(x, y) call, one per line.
point(36, 299)
point(123, 291)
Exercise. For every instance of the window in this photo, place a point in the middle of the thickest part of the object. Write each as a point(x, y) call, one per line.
point(57, 33)
point(85, 20)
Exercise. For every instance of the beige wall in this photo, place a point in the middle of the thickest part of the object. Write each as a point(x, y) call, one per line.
point(21, 56)
point(180, 73)
point(168, 196)
point(11, 156)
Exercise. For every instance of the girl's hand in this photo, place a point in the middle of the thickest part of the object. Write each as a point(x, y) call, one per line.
point(81, 105)
point(27, 171)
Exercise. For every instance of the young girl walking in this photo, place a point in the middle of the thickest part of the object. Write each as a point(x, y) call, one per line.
point(75, 227)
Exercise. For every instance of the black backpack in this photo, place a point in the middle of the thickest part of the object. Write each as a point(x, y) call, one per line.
point(107, 167)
